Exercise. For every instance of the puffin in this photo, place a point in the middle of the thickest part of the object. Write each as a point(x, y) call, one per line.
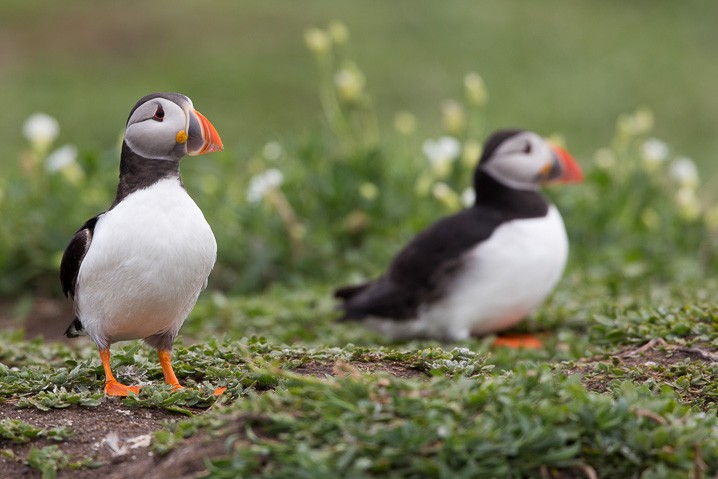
point(484, 269)
point(135, 271)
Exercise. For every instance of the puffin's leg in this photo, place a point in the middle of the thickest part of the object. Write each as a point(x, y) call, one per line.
point(112, 386)
point(169, 373)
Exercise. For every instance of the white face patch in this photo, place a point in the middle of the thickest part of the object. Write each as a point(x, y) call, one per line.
point(153, 127)
point(519, 160)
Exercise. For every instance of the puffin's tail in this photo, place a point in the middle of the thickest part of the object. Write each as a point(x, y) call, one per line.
point(345, 294)
point(348, 292)
point(75, 329)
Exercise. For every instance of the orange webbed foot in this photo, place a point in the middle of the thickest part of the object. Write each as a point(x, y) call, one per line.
point(116, 389)
point(217, 392)
point(519, 341)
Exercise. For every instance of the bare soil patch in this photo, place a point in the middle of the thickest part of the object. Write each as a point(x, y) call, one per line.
point(92, 429)
point(656, 352)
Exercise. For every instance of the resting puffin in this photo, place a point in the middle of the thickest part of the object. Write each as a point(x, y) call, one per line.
point(136, 270)
point(485, 268)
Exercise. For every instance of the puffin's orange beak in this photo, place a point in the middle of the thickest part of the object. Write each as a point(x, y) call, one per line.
point(202, 136)
point(562, 169)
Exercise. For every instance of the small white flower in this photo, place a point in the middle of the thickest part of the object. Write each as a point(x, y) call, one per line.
point(688, 203)
point(259, 185)
point(441, 151)
point(684, 172)
point(604, 158)
point(349, 82)
point(272, 151)
point(472, 152)
point(368, 191)
point(338, 32)
point(446, 195)
point(41, 130)
point(639, 123)
point(61, 158)
point(475, 88)
point(317, 40)
point(643, 120)
point(453, 116)
point(654, 151)
point(468, 197)
point(405, 123)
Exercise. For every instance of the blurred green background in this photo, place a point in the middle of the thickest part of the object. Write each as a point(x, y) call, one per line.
point(555, 65)
point(354, 186)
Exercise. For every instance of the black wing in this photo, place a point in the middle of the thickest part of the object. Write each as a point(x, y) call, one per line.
point(74, 254)
point(422, 271)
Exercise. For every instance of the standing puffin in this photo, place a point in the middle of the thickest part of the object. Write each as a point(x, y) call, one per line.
point(136, 270)
point(485, 268)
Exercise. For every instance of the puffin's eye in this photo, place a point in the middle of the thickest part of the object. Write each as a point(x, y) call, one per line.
point(527, 148)
point(159, 114)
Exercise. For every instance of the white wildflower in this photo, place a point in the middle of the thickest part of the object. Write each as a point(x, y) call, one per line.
point(472, 152)
point(452, 113)
point(688, 203)
point(654, 153)
point(468, 197)
point(261, 184)
point(643, 120)
point(405, 123)
point(684, 172)
point(61, 158)
point(317, 40)
point(349, 82)
point(476, 92)
point(605, 158)
point(41, 130)
point(446, 195)
point(368, 191)
point(338, 32)
point(272, 151)
point(441, 153)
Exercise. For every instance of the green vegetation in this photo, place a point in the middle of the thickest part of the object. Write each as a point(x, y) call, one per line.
point(625, 385)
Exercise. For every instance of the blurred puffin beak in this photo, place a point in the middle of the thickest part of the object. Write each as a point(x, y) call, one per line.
point(202, 137)
point(562, 168)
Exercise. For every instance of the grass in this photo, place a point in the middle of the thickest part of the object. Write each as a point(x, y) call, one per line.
point(625, 383)
point(596, 397)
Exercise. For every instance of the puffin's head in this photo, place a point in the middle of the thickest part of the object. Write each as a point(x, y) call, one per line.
point(523, 160)
point(165, 126)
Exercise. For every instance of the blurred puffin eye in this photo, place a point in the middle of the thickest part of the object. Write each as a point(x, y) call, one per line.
point(159, 113)
point(527, 148)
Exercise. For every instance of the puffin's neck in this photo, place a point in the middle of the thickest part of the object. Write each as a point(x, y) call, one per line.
point(137, 173)
point(513, 202)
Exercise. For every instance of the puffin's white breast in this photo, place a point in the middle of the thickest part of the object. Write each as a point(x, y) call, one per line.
point(503, 280)
point(149, 259)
